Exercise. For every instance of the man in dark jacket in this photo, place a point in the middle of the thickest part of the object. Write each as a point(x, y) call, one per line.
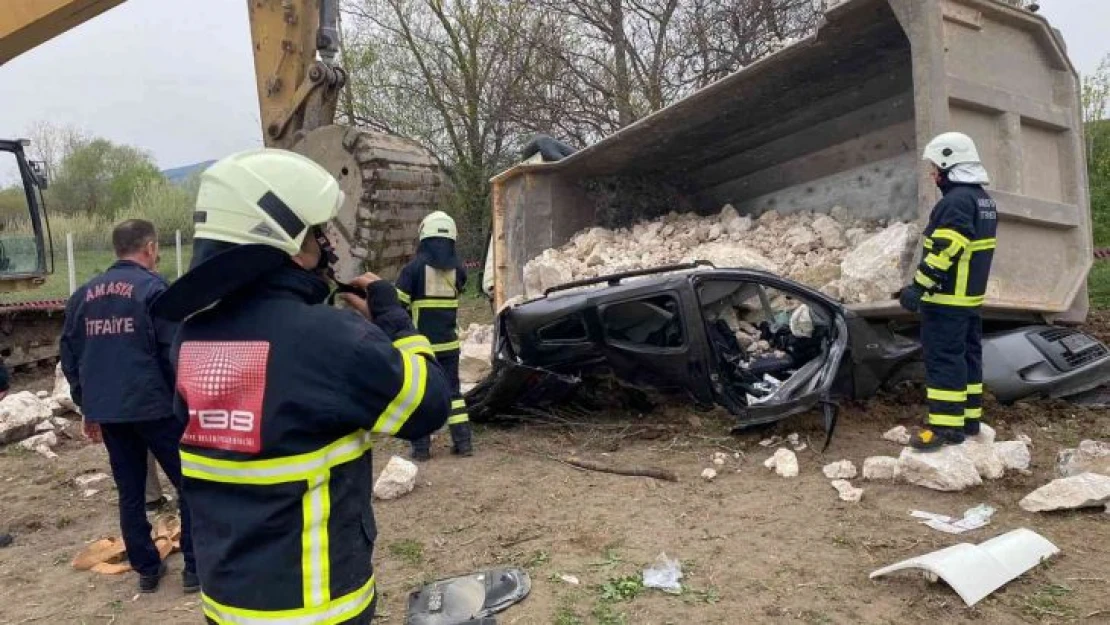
point(949, 288)
point(429, 286)
point(117, 360)
point(282, 394)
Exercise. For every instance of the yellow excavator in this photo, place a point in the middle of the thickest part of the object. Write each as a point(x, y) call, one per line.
point(390, 182)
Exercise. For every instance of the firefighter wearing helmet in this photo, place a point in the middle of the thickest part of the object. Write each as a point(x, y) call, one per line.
point(948, 291)
point(281, 393)
point(429, 287)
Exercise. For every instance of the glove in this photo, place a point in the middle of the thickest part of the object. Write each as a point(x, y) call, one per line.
point(910, 298)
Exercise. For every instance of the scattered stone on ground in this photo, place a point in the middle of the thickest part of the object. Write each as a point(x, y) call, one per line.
point(61, 394)
point(950, 468)
point(709, 474)
point(986, 459)
point(397, 478)
point(89, 479)
point(20, 414)
point(569, 579)
point(841, 469)
point(1089, 457)
point(43, 444)
point(846, 258)
point(880, 468)
point(795, 441)
point(44, 426)
point(784, 462)
point(986, 435)
point(1015, 455)
point(720, 458)
point(774, 441)
point(1086, 490)
point(847, 492)
point(898, 434)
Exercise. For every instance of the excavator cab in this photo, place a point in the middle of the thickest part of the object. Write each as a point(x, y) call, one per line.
point(26, 249)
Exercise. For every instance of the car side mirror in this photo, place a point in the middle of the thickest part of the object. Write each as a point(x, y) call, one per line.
point(38, 172)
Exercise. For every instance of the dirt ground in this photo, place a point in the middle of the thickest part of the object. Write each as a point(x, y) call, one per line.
point(754, 547)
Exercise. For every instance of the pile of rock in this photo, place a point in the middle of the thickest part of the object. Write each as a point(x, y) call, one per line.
point(475, 355)
point(33, 420)
point(852, 260)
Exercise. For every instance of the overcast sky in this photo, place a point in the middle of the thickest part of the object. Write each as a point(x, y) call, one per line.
point(177, 78)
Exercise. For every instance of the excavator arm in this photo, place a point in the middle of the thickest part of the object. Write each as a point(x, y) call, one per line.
point(296, 92)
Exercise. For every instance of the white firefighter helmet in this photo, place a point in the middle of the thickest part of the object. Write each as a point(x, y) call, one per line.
point(949, 149)
point(267, 197)
point(438, 224)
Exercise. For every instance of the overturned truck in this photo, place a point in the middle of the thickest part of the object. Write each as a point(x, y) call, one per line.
point(837, 120)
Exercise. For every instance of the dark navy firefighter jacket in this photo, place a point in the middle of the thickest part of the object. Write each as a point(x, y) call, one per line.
point(114, 354)
point(282, 396)
point(429, 286)
point(959, 246)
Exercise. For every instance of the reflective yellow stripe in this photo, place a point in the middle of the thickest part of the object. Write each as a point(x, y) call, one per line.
point(975, 389)
point(416, 344)
point(421, 304)
point(973, 413)
point(958, 239)
point(928, 243)
point(458, 418)
point(946, 420)
point(446, 347)
point(342, 609)
point(963, 273)
point(938, 394)
point(924, 280)
point(982, 245)
point(408, 398)
point(404, 297)
point(458, 403)
point(315, 565)
point(953, 300)
point(276, 470)
point(938, 262)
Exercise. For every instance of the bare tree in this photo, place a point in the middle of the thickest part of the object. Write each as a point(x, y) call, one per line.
point(51, 143)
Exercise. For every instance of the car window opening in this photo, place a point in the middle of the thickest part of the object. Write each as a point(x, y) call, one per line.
point(769, 345)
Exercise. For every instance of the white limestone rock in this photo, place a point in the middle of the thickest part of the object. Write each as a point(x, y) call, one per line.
point(61, 393)
point(880, 468)
point(880, 265)
point(830, 233)
point(847, 492)
point(947, 469)
point(1086, 490)
point(898, 434)
point(784, 462)
point(397, 479)
point(709, 475)
point(476, 354)
point(1089, 457)
point(986, 459)
point(1015, 455)
point(840, 470)
point(985, 436)
point(20, 414)
point(42, 443)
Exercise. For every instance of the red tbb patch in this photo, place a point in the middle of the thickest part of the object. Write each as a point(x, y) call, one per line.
point(223, 384)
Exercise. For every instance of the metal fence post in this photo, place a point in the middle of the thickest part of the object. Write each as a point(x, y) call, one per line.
point(177, 236)
point(70, 261)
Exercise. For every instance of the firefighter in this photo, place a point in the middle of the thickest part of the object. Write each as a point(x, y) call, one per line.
point(282, 393)
point(116, 358)
point(429, 286)
point(948, 290)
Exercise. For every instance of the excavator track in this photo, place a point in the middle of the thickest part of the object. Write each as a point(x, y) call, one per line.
point(29, 333)
point(390, 184)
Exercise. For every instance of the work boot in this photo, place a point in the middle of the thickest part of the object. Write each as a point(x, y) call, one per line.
point(933, 437)
point(149, 583)
point(971, 427)
point(422, 449)
point(461, 444)
point(190, 583)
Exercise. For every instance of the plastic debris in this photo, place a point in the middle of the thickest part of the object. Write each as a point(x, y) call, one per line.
point(664, 575)
point(973, 519)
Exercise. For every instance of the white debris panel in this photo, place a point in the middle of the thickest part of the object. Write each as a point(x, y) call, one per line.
point(849, 259)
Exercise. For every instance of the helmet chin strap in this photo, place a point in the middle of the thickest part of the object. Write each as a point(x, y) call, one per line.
point(326, 265)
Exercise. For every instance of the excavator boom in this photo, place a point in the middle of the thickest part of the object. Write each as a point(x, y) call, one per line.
point(25, 24)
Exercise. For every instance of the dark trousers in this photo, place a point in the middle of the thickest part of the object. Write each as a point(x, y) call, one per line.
point(952, 338)
point(459, 421)
point(128, 444)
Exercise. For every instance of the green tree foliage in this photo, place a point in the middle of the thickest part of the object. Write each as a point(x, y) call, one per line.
point(1096, 114)
point(100, 178)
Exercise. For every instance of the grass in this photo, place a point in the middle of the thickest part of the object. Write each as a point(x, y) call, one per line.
point(408, 550)
point(618, 589)
point(1047, 601)
point(1098, 284)
point(88, 263)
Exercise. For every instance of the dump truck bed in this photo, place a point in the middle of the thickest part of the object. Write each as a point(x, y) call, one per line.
point(838, 118)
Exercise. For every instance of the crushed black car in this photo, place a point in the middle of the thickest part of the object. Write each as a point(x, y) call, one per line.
point(763, 347)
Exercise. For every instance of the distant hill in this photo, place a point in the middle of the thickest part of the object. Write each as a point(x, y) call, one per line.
point(178, 175)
